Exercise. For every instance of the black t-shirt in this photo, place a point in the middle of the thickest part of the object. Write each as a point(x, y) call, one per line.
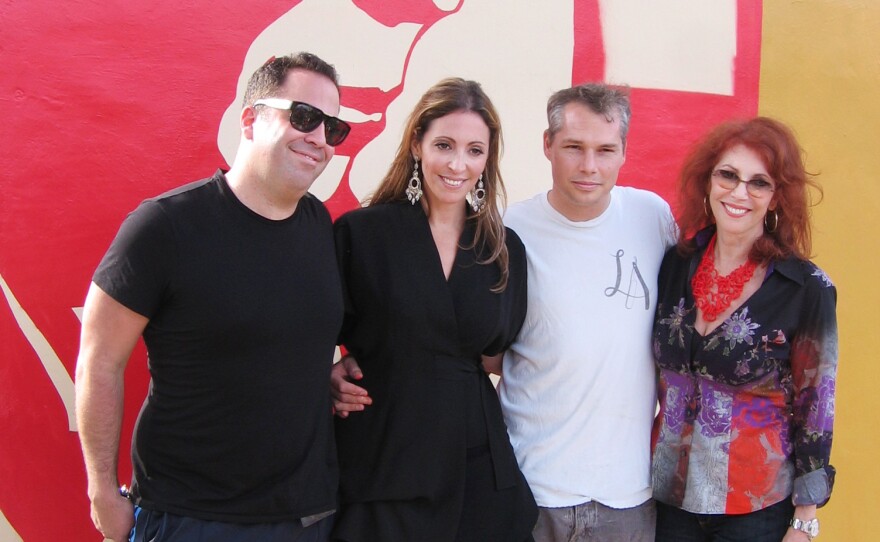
point(243, 318)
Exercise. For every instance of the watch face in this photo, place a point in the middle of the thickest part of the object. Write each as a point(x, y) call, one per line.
point(810, 527)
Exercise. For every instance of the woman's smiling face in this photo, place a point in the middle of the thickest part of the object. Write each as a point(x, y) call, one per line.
point(737, 211)
point(453, 153)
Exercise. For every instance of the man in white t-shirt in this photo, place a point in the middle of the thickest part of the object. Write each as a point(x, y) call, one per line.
point(578, 385)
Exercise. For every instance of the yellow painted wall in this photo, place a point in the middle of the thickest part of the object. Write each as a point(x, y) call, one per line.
point(820, 72)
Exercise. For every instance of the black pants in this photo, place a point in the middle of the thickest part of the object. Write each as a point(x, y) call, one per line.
point(767, 525)
point(153, 526)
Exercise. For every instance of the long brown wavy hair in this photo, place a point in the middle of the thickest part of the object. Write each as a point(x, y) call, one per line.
point(449, 96)
point(778, 148)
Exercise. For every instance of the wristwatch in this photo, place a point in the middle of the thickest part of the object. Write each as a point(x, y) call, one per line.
point(810, 527)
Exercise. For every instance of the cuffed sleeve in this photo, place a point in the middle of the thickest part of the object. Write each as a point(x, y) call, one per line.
point(814, 372)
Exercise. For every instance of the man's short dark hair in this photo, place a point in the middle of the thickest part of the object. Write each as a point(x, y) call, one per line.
point(266, 81)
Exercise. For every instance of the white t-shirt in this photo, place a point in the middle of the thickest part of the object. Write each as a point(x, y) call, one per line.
point(579, 388)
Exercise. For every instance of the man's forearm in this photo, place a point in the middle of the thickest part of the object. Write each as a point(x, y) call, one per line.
point(109, 334)
point(99, 406)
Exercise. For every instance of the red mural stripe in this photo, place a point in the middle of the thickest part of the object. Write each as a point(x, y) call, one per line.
point(588, 62)
point(747, 64)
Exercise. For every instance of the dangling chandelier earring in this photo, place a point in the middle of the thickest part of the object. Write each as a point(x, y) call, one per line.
point(769, 223)
point(478, 195)
point(414, 187)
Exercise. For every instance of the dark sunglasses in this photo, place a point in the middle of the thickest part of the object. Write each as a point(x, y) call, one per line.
point(305, 118)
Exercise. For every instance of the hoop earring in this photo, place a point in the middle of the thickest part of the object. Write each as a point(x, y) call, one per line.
point(478, 196)
point(767, 221)
point(706, 206)
point(414, 187)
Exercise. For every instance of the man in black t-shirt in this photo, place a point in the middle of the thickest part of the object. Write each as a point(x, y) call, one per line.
point(233, 284)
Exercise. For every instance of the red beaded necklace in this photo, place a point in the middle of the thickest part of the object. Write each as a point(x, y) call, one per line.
point(715, 293)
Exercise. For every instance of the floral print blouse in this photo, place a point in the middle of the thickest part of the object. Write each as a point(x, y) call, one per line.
point(746, 412)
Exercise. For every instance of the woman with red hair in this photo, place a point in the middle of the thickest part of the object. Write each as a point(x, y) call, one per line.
point(745, 341)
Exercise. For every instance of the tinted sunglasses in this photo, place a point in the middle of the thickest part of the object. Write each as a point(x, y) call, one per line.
point(729, 180)
point(305, 118)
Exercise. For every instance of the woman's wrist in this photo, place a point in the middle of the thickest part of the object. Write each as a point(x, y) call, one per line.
point(805, 512)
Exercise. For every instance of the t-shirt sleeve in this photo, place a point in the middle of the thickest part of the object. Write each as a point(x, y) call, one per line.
point(136, 269)
point(668, 228)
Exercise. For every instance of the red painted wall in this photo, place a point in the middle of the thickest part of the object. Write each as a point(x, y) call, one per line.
point(105, 104)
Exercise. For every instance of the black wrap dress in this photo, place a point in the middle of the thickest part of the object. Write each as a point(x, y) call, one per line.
point(430, 459)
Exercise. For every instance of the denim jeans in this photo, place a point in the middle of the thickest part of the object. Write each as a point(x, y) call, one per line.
point(153, 526)
point(767, 525)
point(594, 522)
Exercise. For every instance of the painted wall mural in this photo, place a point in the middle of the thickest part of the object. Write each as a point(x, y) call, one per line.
point(105, 105)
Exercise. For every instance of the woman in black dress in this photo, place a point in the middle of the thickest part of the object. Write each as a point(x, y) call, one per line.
point(433, 283)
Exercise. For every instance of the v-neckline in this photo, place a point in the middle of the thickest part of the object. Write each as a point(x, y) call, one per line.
point(438, 260)
point(744, 305)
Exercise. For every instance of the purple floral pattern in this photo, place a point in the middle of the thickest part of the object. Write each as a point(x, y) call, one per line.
point(823, 277)
point(675, 323)
point(747, 411)
point(738, 328)
point(714, 414)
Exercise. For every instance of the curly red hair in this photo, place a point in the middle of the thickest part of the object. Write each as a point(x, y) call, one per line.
point(778, 148)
